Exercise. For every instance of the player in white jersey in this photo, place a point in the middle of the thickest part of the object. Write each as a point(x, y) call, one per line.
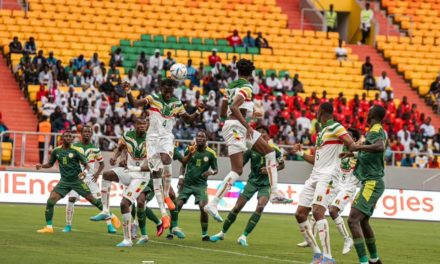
point(93, 156)
point(315, 195)
point(344, 185)
point(134, 177)
point(163, 111)
point(240, 136)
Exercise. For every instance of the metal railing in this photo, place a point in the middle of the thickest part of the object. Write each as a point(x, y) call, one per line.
point(315, 12)
point(21, 146)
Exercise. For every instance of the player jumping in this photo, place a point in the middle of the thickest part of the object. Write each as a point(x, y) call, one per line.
point(258, 182)
point(315, 195)
point(202, 164)
point(69, 162)
point(240, 136)
point(344, 189)
point(370, 171)
point(164, 108)
point(93, 155)
point(134, 177)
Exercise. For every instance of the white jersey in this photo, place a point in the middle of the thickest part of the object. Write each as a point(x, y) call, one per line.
point(244, 88)
point(344, 172)
point(163, 115)
point(328, 147)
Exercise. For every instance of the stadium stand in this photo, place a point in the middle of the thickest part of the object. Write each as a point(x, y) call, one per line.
point(76, 89)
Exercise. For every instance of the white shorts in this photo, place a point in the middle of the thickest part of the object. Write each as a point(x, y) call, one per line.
point(155, 147)
point(316, 190)
point(133, 181)
point(93, 186)
point(343, 191)
point(234, 134)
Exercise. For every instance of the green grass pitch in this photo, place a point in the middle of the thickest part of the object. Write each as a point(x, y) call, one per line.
point(273, 241)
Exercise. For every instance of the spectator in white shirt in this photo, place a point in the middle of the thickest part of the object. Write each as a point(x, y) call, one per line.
point(266, 103)
point(255, 86)
point(341, 52)
point(45, 77)
point(94, 61)
point(387, 94)
point(143, 79)
point(233, 64)
point(303, 123)
point(156, 60)
point(287, 83)
point(49, 106)
point(117, 58)
point(383, 82)
point(273, 83)
point(405, 137)
point(130, 78)
point(427, 128)
point(190, 93)
point(208, 115)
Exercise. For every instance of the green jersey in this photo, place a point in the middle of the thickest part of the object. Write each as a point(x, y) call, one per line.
point(200, 163)
point(257, 162)
point(69, 161)
point(91, 152)
point(136, 148)
point(371, 165)
point(163, 115)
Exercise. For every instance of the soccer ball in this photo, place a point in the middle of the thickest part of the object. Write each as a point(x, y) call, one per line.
point(178, 71)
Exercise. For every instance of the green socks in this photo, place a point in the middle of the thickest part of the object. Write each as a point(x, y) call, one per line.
point(359, 245)
point(133, 211)
point(371, 245)
point(229, 221)
point(253, 221)
point(49, 211)
point(150, 215)
point(204, 228)
point(174, 219)
point(97, 203)
point(141, 221)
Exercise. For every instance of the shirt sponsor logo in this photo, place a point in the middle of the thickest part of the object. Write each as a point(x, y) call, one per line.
point(70, 155)
point(205, 159)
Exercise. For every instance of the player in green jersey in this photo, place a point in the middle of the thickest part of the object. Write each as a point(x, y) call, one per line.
point(69, 162)
point(369, 170)
point(258, 182)
point(93, 155)
point(201, 162)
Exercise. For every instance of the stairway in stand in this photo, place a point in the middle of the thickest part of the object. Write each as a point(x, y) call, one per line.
point(17, 115)
point(292, 9)
point(400, 87)
point(11, 4)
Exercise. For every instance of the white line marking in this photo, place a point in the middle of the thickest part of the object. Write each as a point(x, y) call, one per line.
point(199, 248)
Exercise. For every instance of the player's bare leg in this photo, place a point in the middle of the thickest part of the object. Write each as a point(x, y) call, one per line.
point(340, 225)
point(262, 147)
point(236, 170)
point(70, 207)
point(175, 230)
point(141, 219)
point(167, 176)
point(158, 192)
point(301, 216)
point(54, 197)
point(204, 218)
point(363, 234)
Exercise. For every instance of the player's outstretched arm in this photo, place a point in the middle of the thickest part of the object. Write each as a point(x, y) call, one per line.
point(133, 102)
point(223, 108)
point(189, 118)
point(378, 146)
point(281, 165)
point(43, 166)
point(117, 153)
point(297, 149)
point(50, 163)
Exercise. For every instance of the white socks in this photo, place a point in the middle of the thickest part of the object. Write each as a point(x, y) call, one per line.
point(157, 184)
point(167, 176)
point(105, 195)
point(272, 171)
point(306, 231)
point(225, 186)
point(341, 227)
point(126, 219)
point(69, 212)
point(324, 236)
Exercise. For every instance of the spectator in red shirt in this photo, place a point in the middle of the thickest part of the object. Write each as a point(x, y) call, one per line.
point(398, 146)
point(234, 39)
point(433, 163)
point(214, 58)
point(42, 93)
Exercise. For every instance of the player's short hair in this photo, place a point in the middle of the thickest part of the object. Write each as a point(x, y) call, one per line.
point(202, 131)
point(67, 132)
point(263, 128)
point(245, 67)
point(356, 135)
point(378, 112)
point(168, 82)
point(140, 119)
point(86, 126)
point(326, 108)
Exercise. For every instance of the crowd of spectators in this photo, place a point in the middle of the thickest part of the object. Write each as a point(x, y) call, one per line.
point(95, 92)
